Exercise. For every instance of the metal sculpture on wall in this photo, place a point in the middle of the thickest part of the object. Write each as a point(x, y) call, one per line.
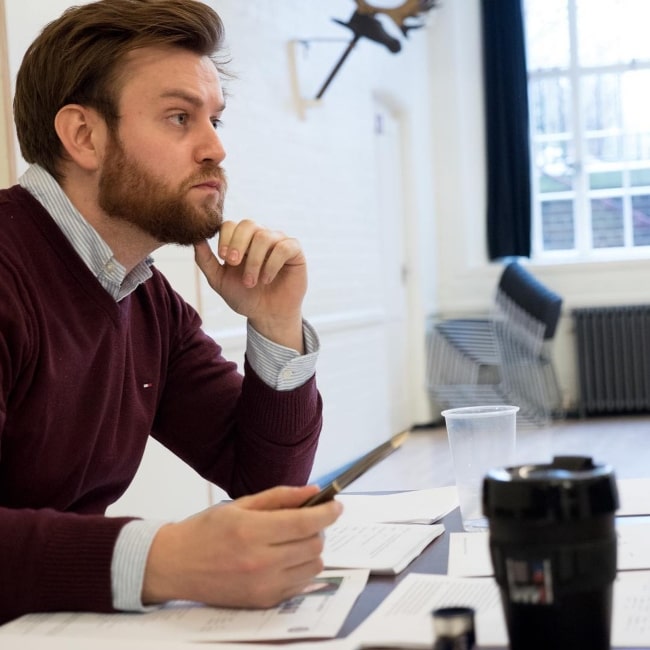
point(365, 24)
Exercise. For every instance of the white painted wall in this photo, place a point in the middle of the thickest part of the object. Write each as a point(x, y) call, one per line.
point(312, 171)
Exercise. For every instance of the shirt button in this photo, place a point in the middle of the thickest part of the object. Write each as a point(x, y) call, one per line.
point(286, 374)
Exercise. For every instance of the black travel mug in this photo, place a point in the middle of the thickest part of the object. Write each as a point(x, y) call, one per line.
point(553, 547)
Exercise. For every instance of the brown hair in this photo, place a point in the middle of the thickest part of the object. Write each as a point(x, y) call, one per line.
point(77, 60)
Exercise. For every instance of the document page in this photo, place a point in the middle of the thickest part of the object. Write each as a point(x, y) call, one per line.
point(403, 619)
point(631, 619)
point(412, 507)
point(633, 551)
point(634, 496)
point(469, 553)
point(40, 642)
point(319, 612)
point(381, 548)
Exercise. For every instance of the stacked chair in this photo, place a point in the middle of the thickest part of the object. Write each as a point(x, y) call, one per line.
point(501, 359)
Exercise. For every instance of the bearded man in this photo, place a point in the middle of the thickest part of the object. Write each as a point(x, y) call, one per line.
point(117, 109)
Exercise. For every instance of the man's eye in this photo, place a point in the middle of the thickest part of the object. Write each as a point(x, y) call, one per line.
point(216, 123)
point(179, 118)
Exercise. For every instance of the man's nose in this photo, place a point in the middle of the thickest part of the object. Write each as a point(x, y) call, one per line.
point(210, 146)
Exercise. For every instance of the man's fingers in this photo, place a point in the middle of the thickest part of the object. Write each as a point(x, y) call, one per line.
point(283, 496)
point(207, 261)
point(286, 251)
point(234, 239)
point(283, 520)
point(262, 251)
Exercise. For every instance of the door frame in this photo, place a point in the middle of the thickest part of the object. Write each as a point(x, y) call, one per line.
point(419, 403)
point(7, 157)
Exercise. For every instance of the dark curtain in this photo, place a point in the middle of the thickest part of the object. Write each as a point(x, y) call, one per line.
point(508, 154)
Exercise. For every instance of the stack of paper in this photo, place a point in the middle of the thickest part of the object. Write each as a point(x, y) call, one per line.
point(42, 642)
point(634, 496)
point(317, 613)
point(381, 548)
point(386, 532)
point(403, 619)
point(413, 507)
point(469, 553)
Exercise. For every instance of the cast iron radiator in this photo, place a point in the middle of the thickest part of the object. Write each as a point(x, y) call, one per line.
point(613, 346)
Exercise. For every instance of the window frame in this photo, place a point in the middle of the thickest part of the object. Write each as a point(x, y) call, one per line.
point(581, 194)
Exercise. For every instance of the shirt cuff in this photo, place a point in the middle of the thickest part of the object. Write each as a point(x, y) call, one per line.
point(280, 367)
point(129, 563)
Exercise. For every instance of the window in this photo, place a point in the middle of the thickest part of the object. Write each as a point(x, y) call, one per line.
point(589, 88)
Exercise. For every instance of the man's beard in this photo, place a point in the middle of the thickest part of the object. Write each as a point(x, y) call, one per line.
point(129, 192)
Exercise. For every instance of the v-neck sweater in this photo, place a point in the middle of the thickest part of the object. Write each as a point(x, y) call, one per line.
point(84, 380)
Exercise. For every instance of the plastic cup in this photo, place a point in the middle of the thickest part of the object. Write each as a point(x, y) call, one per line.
point(480, 438)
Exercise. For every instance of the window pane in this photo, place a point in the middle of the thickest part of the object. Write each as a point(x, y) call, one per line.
point(589, 79)
point(639, 177)
point(547, 34)
point(601, 102)
point(641, 220)
point(608, 148)
point(549, 104)
point(553, 166)
point(612, 31)
point(557, 225)
point(605, 180)
point(635, 114)
point(607, 222)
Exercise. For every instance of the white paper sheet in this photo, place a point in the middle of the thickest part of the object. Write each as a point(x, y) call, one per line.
point(634, 496)
point(381, 548)
point(469, 553)
point(315, 614)
point(631, 618)
point(403, 619)
point(633, 549)
point(412, 507)
point(40, 642)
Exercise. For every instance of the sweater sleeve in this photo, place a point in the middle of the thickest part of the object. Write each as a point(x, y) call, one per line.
point(236, 431)
point(50, 559)
point(53, 561)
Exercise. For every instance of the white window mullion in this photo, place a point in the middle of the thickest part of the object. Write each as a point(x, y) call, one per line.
point(582, 220)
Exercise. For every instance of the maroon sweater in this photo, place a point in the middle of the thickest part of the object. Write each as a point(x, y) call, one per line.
point(84, 381)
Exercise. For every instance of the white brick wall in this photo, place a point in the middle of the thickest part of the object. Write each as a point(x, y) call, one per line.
point(310, 171)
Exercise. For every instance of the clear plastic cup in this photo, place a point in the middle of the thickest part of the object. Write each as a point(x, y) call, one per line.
point(480, 438)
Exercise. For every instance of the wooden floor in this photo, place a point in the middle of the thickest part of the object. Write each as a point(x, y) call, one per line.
point(424, 460)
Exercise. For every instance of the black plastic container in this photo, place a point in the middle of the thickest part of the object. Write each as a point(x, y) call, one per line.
point(553, 549)
point(454, 628)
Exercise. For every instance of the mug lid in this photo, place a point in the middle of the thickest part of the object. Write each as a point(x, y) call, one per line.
point(453, 621)
point(569, 488)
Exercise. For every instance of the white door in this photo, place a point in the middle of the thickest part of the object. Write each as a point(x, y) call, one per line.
point(393, 221)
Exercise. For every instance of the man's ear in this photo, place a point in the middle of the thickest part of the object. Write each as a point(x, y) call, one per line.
point(81, 131)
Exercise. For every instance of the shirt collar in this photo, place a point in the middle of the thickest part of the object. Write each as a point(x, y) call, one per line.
point(86, 241)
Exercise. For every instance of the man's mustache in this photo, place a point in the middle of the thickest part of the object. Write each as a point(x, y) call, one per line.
point(210, 173)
